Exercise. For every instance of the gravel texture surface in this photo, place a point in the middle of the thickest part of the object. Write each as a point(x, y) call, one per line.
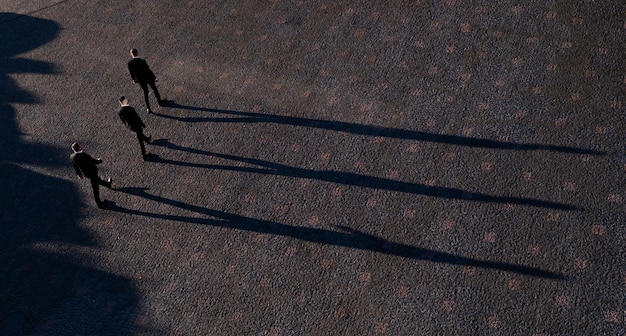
point(321, 168)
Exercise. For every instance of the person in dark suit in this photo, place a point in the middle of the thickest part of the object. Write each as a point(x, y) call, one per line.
point(85, 166)
point(131, 119)
point(140, 73)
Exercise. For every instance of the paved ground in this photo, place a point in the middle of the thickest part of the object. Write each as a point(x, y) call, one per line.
point(324, 168)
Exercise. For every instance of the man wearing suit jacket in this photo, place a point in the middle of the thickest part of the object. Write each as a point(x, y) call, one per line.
point(131, 119)
point(140, 73)
point(85, 166)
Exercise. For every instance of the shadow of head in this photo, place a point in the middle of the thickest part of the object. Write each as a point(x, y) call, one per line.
point(22, 33)
point(37, 208)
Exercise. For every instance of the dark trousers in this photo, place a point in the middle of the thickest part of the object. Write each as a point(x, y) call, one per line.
point(142, 139)
point(144, 87)
point(96, 182)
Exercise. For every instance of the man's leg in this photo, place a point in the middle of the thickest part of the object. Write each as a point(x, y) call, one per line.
point(102, 182)
point(156, 92)
point(144, 87)
point(141, 139)
point(143, 136)
point(95, 185)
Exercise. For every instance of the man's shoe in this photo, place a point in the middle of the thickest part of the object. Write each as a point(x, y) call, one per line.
point(102, 205)
point(149, 111)
point(109, 182)
point(162, 102)
point(146, 157)
point(149, 139)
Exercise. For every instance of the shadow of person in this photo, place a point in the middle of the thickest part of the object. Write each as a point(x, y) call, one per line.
point(258, 166)
point(40, 291)
point(366, 130)
point(346, 237)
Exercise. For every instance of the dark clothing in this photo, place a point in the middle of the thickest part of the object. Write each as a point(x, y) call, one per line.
point(85, 166)
point(144, 87)
point(131, 119)
point(142, 140)
point(96, 182)
point(140, 73)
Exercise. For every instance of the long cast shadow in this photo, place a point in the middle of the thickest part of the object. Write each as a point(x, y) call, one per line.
point(368, 130)
point(352, 179)
point(348, 237)
point(42, 292)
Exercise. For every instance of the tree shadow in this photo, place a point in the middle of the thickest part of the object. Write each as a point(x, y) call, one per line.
point(41, 291)
point(367, 130)
point(345, 237)
point(351, 179)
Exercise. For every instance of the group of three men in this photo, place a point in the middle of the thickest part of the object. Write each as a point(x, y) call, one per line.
point(84, 164)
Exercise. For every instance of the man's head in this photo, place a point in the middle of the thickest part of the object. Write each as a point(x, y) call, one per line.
point(75, 147)
point(134, 52)
point(123, 101)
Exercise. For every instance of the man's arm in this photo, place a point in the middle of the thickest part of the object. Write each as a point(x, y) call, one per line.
point(139, 119)
point(95, 161)
point(124, 120)
point(149, 71)
point(77, 170)
point(132, 73)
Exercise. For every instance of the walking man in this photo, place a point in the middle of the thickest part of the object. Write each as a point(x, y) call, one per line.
point(140, 73)
point(85, 166)
point(131, 119)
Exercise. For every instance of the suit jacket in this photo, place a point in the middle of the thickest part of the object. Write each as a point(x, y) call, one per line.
point(131, 119)
point(140, 71)
point(84, 164)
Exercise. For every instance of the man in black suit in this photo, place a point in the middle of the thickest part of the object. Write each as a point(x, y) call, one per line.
point(131, 119)
point(140, 73)
point(85, 166)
